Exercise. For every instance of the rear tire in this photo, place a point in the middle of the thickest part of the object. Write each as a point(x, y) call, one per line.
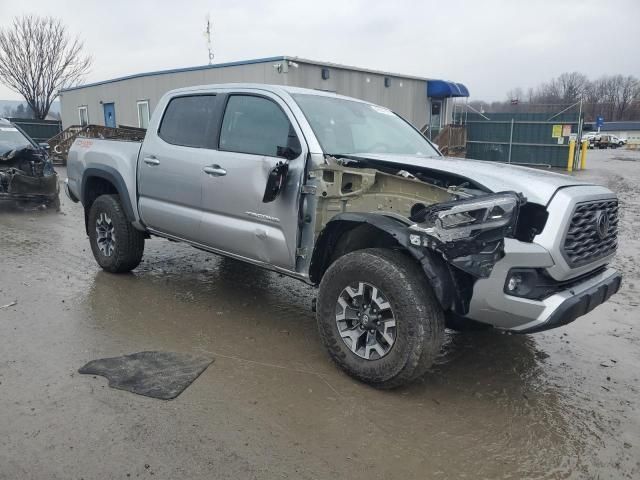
point(418, 319)
point(117, 246)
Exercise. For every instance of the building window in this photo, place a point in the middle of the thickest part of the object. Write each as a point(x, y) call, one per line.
point(83, 113)
point(143, 113)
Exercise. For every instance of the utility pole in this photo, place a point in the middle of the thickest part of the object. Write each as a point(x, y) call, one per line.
point(207, 34)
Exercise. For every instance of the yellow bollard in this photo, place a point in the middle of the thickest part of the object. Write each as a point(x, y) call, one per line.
point(583, 154)
point(572, 151)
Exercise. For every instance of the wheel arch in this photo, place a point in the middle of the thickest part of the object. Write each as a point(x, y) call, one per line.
point(347, 232)
point(104, 180)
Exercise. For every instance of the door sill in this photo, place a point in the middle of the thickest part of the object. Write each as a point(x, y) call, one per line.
point(200, 246)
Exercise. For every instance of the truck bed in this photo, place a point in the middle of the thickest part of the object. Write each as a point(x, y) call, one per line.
point(117, 158)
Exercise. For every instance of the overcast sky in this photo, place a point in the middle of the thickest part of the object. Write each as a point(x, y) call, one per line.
point(489, 45)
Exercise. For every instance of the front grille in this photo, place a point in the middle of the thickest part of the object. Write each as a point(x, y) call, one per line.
point(583, 243)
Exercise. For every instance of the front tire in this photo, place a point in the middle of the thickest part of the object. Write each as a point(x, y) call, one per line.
point(379, 318)
point(116, 245)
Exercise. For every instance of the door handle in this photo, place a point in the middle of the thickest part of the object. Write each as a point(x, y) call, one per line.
point(151, 160)
point(215, 171)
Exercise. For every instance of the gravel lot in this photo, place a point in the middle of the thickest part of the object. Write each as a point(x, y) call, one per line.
point(560, 404)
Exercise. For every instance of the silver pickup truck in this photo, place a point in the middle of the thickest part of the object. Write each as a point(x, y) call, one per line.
point(348, 196)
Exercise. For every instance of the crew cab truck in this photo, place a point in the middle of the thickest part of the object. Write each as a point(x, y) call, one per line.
point(348, 196)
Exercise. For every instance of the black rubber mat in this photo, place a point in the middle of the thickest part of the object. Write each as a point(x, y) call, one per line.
point(163, 375)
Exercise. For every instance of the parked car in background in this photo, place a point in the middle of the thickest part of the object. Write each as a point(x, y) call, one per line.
point(589, 137)
point(619, 141)
point(346, 195)
point(27, 176)
point(604, 141)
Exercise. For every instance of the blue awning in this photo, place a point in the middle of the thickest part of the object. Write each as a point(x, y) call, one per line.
point(443, 89)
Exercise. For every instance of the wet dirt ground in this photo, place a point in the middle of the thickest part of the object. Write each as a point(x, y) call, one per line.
point(560, 404)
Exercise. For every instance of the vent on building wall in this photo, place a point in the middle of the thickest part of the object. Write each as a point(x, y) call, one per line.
point(387, 82)
point(325, 74)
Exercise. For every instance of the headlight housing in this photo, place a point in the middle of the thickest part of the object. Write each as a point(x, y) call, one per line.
point(464, 218)
point(469, 233)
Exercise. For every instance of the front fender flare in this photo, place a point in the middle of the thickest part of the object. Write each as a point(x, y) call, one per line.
point(436, 270)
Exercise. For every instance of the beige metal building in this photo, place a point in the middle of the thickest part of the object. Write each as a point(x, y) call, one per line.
point(130, 100)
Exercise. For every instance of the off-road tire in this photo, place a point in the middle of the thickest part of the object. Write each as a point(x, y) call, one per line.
point(129, 245)
point(419, 317)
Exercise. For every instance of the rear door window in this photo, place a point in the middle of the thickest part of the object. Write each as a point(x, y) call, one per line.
point(189, 121)
point(255, 125)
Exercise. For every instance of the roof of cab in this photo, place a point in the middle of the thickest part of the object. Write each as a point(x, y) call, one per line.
point(278, 89)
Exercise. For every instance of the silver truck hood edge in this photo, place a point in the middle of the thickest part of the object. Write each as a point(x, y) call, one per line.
point(537, 185)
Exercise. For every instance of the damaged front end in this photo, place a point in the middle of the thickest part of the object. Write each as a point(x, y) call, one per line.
point(27, 178)
point(453, 227)
point(470, 233)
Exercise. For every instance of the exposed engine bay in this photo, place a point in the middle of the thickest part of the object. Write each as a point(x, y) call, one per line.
point(436, 216)
point(28, 178)
point(356, 184)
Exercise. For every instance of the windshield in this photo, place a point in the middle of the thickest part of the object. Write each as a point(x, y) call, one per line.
point(346, 127)
point(12, 139)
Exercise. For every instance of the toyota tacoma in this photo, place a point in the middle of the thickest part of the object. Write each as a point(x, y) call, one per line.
point(347, 196)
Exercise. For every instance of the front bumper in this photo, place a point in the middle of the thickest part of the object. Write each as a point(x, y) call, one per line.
point(68, 191)
point(578, 304)
point(26, 188)
point(489, 304)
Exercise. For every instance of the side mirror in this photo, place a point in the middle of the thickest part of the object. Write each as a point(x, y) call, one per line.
point(276, 181)
point(292, 149)
point(44, 146)
point(288, 152)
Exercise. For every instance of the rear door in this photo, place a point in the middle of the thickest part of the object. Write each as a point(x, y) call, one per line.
point(255, 127)
point(171, 165)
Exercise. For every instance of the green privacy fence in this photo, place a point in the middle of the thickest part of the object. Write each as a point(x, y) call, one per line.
point(521, 138)
point(39, 130)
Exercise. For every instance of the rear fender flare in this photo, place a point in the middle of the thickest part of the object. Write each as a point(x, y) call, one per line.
point(114, 177)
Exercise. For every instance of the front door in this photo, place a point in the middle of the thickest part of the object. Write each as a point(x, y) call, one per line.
point(172, 162)
point(234, 218)
point(109, 115)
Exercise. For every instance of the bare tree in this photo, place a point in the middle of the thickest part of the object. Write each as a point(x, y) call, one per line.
point(37, 59)
point(626, 93)
point(548, 93)
point(615, 97)
point(572, 86)
point(567, 88)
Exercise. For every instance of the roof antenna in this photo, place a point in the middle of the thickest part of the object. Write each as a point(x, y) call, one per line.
point(207, 34)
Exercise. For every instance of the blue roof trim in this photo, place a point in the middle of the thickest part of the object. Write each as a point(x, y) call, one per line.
point(178, 70)
point(444, 89)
